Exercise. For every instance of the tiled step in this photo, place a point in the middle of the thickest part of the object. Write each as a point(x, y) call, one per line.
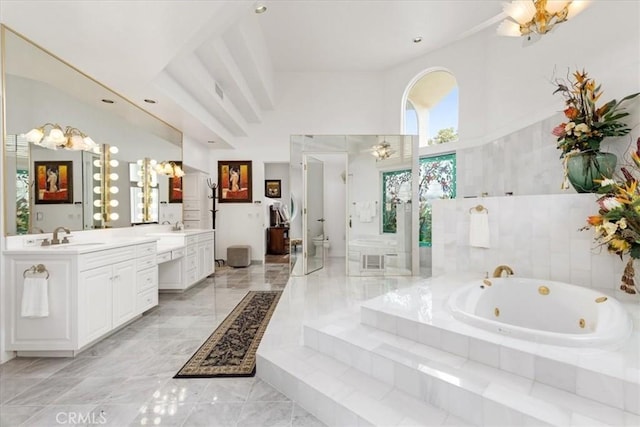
point(477, 393)
point(611, 377)
point(339, 395)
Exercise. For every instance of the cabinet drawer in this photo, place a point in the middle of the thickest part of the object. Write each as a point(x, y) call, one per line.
point(192, 276)
point(191, 215)
point(192, 239)
point(191, 205)
point(205, 237)
point(192, 225)
point(110, 256)
point(163, 257)
point(147, 300)
point(191, 250)
point(146, 249)
point(146, 262)
point(147, 279)
point(192, 262)
point(177, 253)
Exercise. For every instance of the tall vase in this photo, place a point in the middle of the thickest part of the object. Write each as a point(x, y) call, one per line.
point(583, 168)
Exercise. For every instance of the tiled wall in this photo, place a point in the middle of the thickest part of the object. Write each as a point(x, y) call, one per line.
point(525, 162)
point(538, 236)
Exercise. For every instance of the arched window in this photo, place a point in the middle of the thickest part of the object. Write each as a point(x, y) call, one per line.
point(431, 108)
point(431, 112)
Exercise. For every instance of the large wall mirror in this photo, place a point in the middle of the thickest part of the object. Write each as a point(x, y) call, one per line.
point(46, 188)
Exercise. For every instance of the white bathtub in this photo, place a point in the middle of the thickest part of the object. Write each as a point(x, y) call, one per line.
point(568, 315)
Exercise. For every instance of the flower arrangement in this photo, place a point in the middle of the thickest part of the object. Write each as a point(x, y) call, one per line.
point(587, 124)
point(617, 225)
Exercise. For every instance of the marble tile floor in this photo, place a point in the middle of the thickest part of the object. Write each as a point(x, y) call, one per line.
point(126, 379)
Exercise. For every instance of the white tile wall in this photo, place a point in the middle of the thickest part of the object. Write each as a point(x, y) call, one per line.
point(525, 162)
point(538, 236)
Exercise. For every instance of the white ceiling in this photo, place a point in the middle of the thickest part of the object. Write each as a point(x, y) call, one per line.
point(176, 51)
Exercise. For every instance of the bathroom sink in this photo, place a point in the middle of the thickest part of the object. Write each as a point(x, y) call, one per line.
point(73, 245)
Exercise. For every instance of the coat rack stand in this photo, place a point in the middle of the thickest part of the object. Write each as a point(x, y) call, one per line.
point(214, 187)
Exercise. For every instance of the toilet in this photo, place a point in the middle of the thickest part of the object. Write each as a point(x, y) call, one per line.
point(321, 245)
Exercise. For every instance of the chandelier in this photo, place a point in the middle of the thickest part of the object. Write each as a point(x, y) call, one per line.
point(537, 16)
point(71, 138)
point(170, 169)
point(382, 151)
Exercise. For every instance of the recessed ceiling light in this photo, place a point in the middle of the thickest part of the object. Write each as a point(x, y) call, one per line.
point(260, 8)
point(150, 101)
point(417, 39)
point(108, 101)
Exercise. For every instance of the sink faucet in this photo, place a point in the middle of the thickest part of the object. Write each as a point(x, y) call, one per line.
point(179, 226)
point(499, 269)
point(55, 240)
point(165, 222)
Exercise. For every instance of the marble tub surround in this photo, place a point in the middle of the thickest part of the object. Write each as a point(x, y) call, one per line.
point(399, 359)
point(128, 375)
point(538, 236)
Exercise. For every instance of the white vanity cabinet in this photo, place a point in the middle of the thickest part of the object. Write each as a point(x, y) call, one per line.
point(191, 259)
point(91, 293)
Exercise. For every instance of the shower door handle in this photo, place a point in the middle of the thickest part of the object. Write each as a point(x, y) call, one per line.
point(321, 220)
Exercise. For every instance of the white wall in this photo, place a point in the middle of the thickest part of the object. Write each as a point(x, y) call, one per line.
point(307, 103)
point(505, 86)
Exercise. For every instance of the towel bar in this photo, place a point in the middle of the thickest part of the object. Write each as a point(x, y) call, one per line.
point(479, 208)
point(36, 269)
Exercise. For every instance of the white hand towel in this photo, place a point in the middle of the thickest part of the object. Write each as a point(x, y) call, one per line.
point(364, 212)
point(479, 230)
point(35, 297)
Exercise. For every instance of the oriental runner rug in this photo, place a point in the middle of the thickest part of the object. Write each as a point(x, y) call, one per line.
point(231, 350)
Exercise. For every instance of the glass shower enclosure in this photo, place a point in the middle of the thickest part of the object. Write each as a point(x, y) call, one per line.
point(381, 220)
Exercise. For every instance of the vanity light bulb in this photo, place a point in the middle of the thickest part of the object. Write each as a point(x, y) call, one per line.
point(141, 205)
point(114, 216)
point(113, 150)
point(140, 184)
point(153, 162)
point(114, 163)
point(113, 203)
point(114, 176)
point(97, 190)
point(97, 203)
point(97, 176)
point(139, 162)
point(97, 216)
point(114, 190)
point(97, 163)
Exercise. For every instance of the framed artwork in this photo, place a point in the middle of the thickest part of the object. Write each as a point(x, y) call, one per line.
point(175, 187)
point(272, 188)
point(54, 182)
point(234, 181)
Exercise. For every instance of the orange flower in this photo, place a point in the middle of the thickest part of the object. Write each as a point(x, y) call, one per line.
point(571, 113)
point(595, 220)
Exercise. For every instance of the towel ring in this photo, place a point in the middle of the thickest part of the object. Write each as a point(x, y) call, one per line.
point(35, 269)
point(479, 208)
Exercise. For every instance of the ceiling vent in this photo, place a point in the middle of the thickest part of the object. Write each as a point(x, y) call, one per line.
point(219, 91)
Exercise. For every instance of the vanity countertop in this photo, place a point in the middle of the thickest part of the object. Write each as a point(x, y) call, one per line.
point(81, 247)
point(181, 233)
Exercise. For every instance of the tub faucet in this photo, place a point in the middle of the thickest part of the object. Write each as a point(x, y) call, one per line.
point(499, 269)
point(179, 226)
point(55, 240)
